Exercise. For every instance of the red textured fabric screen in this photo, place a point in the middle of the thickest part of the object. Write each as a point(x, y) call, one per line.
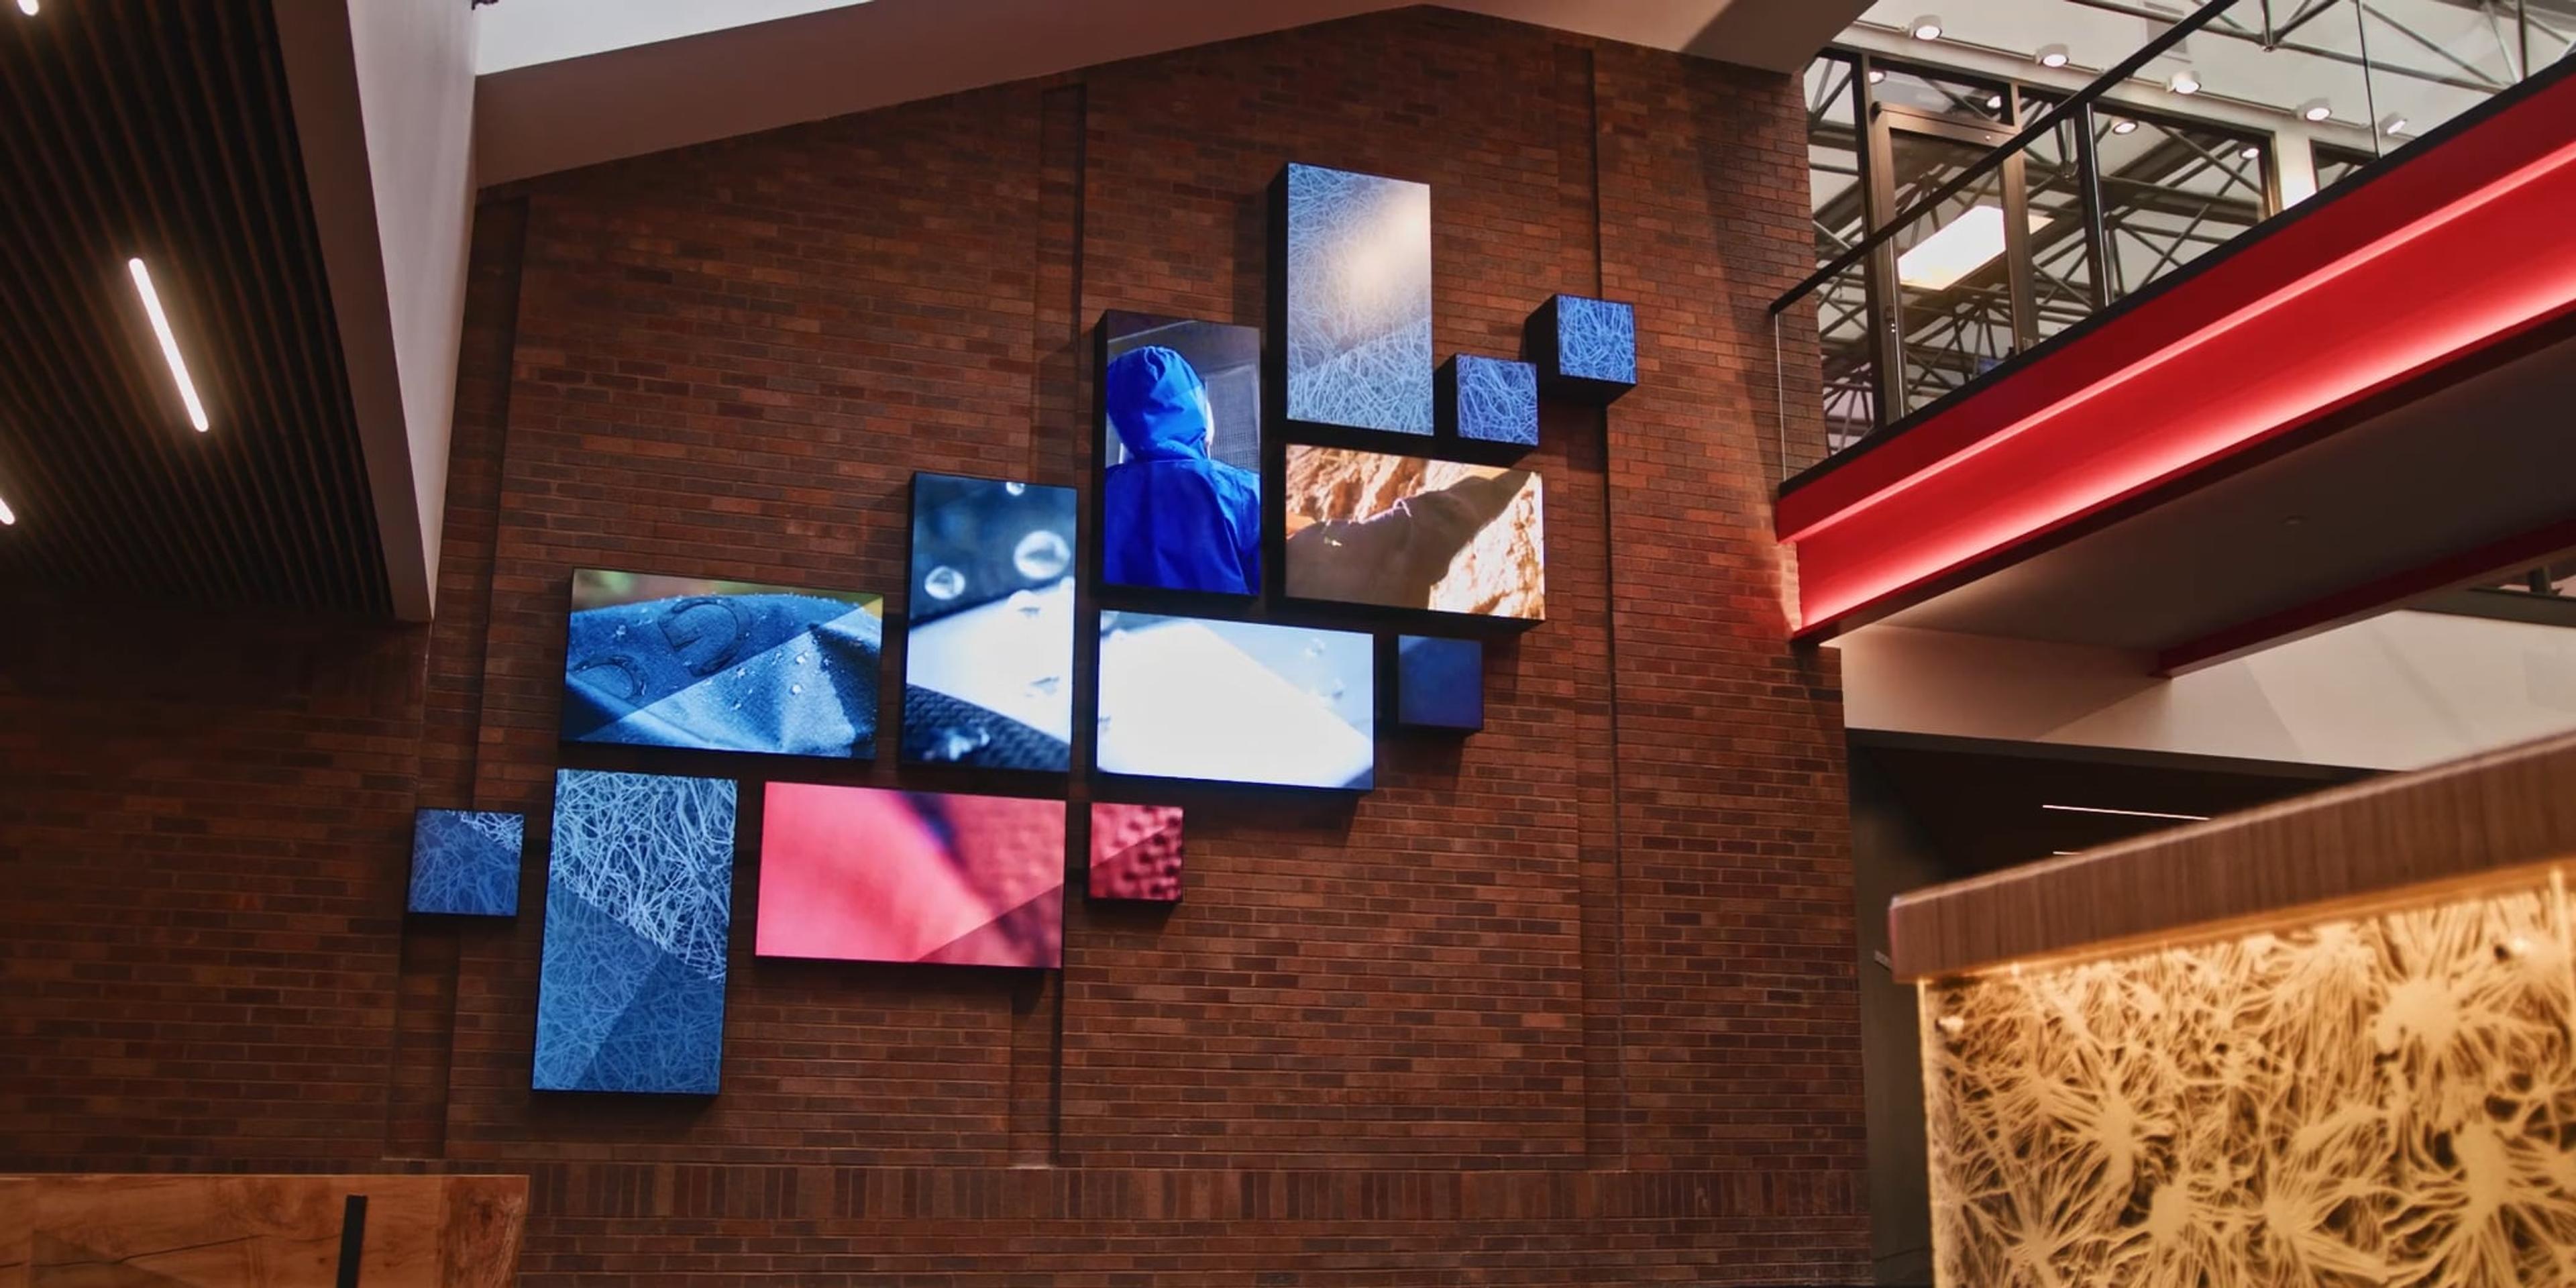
point(863, 874)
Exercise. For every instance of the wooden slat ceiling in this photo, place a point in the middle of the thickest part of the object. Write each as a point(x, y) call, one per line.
point(161, 129)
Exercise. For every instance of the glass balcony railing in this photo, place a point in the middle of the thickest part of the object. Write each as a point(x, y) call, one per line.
point(1970, 211)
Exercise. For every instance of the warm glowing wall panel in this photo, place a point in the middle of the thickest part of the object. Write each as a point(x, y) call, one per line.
point(2378, 1099)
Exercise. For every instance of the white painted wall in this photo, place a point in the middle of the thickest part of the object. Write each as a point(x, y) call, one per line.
point(384, 112)
point(2400, 691)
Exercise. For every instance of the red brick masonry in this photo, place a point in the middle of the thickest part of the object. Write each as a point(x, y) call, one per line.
point(1570, 1002)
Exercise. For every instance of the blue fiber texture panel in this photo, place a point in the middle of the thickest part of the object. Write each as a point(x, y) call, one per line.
point(466, 862)
point(1596, 340)
point(1497, 400)
point(639, 909)
point(1358, 283)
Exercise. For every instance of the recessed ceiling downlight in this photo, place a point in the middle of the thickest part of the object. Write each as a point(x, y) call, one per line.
point(8, 517)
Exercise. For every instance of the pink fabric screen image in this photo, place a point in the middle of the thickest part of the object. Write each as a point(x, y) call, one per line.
point(864, 874)
point(1136, 853)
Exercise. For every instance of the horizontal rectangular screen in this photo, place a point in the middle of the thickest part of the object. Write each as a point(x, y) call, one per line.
point(721, 665)
point(865, 874)
point(1236, 702)
point(1180, 442)
point(988, 655)
point(639, 909)
point(1404, 532)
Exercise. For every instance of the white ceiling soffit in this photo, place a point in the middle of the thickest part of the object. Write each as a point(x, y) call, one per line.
point(558, 115)
point(383, 97)
point(544, 31)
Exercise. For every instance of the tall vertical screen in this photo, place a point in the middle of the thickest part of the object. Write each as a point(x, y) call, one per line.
point(639, 906)
point(1180, 449)
point(988, 660)
point(1357, 300)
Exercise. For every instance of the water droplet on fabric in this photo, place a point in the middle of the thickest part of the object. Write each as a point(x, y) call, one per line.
point(1025, 603)
point(800, 659)
point(795, 688)
point(944, 583)
point(1045, 684)
point(1016, 489)
point(1314, 646)
point(957, 742)
point(1041, 555)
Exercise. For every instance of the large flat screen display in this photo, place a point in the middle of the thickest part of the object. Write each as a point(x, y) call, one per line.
point(988, 658)
point(721, 665)
point(639, 908)
point(1236, 702)
point(866, 874)
point(1180, 445)
point(1404, 532)
point(1357, 300)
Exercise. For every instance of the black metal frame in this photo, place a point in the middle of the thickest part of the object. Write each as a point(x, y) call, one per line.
point(2080, 102)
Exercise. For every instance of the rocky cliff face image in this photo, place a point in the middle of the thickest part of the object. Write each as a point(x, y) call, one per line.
point(1486, 521)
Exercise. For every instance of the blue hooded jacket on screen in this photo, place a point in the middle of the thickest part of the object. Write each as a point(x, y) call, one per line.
point(1171, 516)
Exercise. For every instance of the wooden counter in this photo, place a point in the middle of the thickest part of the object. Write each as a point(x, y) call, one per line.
point(258, 1231)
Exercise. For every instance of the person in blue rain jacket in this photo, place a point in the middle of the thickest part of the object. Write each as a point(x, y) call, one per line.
point(1172, 516)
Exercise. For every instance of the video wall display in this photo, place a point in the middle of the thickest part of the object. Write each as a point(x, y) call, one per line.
point(1439, 683)
point(1181, 447)
point(639, 906)
point(1357, 300)
point(465, 863)
point(1136, 853)
point(721, 665)
point(988, 660)
point(1491, 401)
point(864, 874)
point(1236, 702)
point(1404, 532)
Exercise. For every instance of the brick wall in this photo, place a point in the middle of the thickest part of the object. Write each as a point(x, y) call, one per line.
point(1569, 1003)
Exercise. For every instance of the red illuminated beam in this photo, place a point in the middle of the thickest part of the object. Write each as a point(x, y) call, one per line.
point(2459, 249)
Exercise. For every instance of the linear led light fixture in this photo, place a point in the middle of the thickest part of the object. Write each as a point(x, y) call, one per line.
point(169, 342)
point(2126, 813)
